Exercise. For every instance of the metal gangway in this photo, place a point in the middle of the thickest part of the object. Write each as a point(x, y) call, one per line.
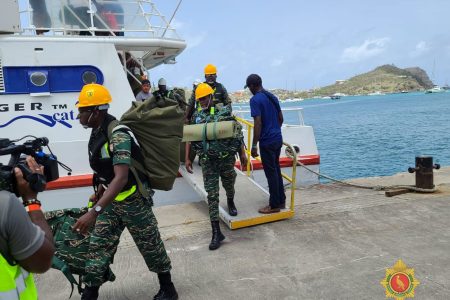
point(249, 195)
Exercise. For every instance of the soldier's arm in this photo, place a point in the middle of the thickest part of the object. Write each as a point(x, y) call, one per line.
point(190, 108)
point(121, 154)
point(187, 160)
point(226, 97)
point(121, 144)
point(116, 185)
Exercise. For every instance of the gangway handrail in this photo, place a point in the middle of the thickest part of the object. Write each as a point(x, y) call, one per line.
point(291, 179)
point(297, 109)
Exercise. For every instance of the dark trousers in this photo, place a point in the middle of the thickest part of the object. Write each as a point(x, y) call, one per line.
point(270, 155)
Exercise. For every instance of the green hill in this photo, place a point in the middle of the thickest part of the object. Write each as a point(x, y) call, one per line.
point(385, 79)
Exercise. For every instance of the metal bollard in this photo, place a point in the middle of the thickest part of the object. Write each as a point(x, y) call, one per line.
point(424, 171)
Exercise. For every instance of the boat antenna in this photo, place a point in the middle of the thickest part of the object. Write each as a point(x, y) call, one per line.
point(171, 18)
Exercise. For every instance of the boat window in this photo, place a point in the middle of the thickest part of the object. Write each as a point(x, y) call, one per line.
point(38, 78)
point(89, 77)
point(48, 79)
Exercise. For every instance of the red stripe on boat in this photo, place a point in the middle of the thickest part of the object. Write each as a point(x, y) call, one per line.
point(67, 182)
point(286, 162)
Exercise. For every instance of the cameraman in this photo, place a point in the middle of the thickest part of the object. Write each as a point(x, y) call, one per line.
point(26, 241)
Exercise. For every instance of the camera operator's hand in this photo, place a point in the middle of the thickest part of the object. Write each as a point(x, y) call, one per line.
point(23, 187)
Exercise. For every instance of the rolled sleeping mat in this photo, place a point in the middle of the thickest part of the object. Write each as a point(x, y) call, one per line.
point(214, 131)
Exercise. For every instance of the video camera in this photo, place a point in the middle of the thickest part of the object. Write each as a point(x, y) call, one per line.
point(18, 155)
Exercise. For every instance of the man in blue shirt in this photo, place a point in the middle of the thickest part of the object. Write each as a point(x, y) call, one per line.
point(268, 118)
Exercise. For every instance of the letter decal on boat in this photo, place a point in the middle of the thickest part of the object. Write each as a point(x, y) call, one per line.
point(46, 120)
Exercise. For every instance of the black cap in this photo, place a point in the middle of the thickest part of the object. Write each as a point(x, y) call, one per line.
point(145, 81)
point(253, 79)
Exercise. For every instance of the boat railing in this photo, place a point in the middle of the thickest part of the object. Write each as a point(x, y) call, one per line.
point(296, 119)
point(290, 179)
point(129, 18)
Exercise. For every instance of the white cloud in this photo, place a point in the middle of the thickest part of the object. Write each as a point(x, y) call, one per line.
point(368, 49)
point(421, 48)
point(177, 24)
point(277, 62)
point(195, 41)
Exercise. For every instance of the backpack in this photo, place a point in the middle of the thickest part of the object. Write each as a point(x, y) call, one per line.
point(211, 143)
point(72, 248)
point(156, 125)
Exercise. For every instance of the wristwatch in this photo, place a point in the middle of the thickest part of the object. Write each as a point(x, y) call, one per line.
point(98, 209)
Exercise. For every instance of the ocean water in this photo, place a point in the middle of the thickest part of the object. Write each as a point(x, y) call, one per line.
point(363, 136)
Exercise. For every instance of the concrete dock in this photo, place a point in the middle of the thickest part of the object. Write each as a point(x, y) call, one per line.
point(337, 246)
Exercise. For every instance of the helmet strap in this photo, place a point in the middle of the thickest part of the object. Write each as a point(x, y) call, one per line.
point(209, 104)
point(86, 126)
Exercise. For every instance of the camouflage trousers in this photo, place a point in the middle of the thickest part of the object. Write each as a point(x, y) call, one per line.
point(136, 214)
point(212, 169)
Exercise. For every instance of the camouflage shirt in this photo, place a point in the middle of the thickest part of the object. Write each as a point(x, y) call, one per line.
point(120, 146)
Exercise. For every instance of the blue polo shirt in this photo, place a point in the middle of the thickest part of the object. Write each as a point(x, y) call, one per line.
point(261, 105)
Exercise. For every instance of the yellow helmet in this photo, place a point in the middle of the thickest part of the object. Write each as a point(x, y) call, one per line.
point(210, 69)
point(202, 90)
point(93, 95)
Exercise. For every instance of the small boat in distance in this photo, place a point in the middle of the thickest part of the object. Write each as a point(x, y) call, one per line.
point(377, 93)
point(435, 89)
point(335, 97)
point(293, 100)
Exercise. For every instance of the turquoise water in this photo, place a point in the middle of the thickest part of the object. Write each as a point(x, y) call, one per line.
point(364, 136)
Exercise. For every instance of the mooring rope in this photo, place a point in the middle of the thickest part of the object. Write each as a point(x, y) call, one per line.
point(375, 187)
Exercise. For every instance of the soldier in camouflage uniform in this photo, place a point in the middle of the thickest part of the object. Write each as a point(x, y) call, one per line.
point(217, 159)
point(220, 94)
point(118, 202)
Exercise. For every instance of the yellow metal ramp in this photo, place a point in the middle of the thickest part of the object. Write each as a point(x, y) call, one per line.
point(249, 197)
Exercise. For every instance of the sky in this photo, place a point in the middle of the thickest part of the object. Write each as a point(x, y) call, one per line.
point(302, 44)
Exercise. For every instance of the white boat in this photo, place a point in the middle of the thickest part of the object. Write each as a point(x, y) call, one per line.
point(42, 75)
point(435, 89)
point(293, 100)
point(377, 93)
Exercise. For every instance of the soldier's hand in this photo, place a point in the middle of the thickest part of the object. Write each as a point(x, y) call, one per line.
point(255, 152)
point(85, 222)
point(188, 166)
point(244, 160)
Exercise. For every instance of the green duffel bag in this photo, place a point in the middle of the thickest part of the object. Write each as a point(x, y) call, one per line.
point(72, 248)
point(157, 124)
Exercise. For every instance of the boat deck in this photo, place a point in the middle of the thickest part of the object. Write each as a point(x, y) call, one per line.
point(337, 246)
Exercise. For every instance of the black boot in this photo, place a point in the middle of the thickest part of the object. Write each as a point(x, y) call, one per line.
point(167, 290)
point(217, 236)
point(231, 207)
point(90, 293)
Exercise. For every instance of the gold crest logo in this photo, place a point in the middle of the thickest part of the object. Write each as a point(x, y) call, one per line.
point(399, 281)
point(90, 93)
